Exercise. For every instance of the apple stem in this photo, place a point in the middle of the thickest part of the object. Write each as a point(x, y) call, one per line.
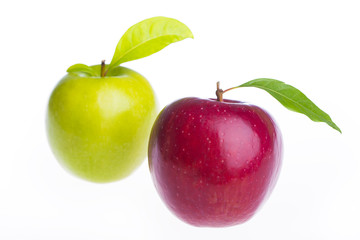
point(219, 92)
point(103, 73)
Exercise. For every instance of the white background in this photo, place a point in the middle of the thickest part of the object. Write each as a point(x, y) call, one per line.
point(312, 45)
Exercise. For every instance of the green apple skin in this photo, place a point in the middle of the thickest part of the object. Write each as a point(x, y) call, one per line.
point(98, 127)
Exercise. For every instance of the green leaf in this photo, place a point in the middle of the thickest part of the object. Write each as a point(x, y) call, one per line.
point(82, 68)
point(148, 37)
point(292, 99)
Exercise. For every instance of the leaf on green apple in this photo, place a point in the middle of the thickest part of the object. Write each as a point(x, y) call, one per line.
point(148, 37)
point(292, 99)
point(81, 68)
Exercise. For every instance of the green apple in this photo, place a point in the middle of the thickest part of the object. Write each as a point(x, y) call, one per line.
point(98, 127)
point(99, 117)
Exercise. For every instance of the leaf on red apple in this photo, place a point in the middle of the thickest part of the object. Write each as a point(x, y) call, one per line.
point(148, 37)
point(292, 98)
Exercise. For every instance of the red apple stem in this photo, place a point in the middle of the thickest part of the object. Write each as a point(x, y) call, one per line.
point(219, 92)
point(103, 73)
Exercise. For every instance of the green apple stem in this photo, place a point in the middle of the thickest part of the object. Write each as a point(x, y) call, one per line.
point(103, 73)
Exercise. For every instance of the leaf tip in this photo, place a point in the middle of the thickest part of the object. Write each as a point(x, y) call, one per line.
point(69, 69)
point(191, 35)
point(337, 129)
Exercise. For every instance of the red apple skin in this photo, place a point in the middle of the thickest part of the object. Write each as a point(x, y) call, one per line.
point(214, 163)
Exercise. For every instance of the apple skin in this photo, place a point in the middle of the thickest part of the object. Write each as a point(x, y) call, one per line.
point(98, 127)
point(214, 163)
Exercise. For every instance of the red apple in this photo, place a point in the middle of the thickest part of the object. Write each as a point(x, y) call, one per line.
point(214, 162)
